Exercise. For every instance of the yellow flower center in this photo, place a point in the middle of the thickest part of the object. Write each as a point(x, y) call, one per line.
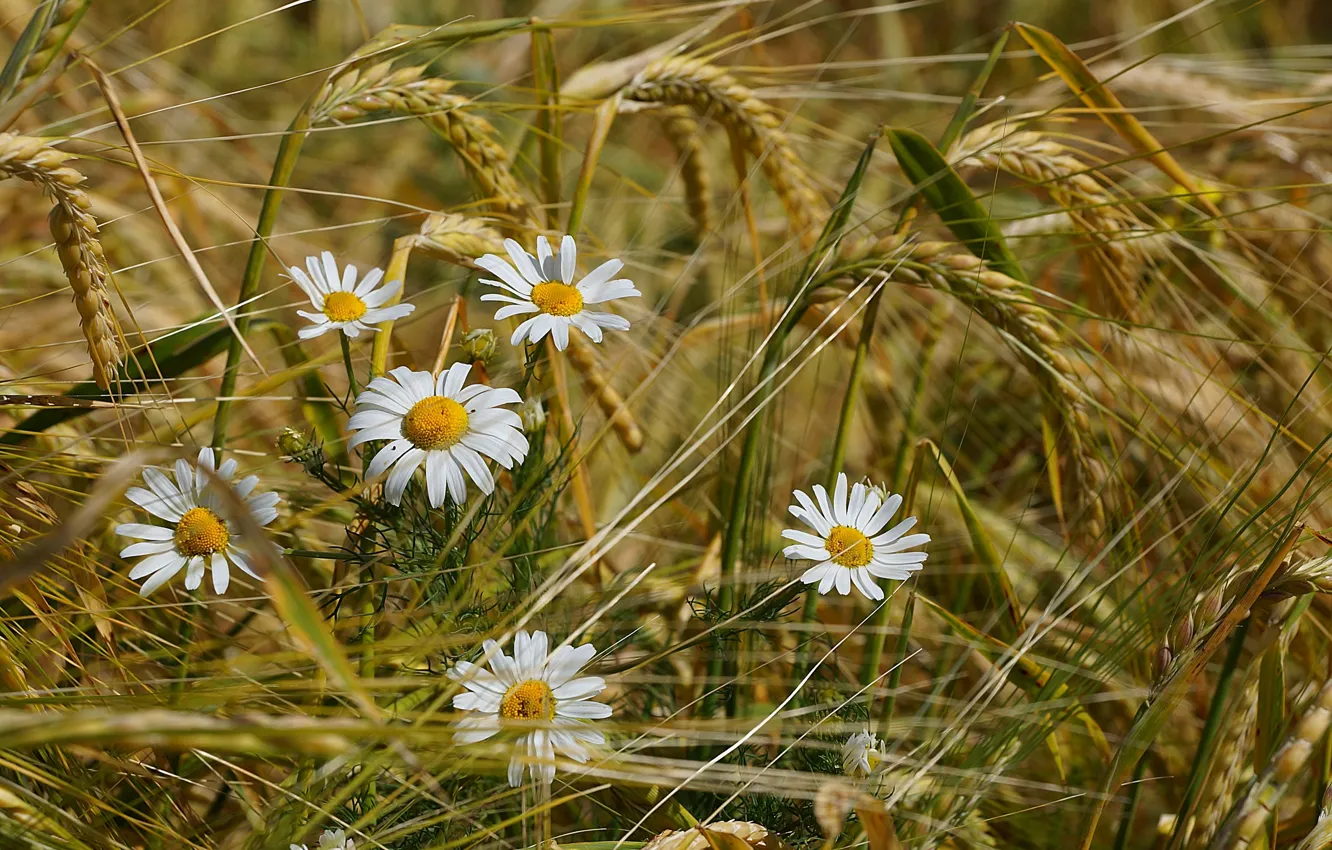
point(201, 532)
point(343, 307)
point(848, 547)
point(530, 700)
point(557, 299)
point(435, 423)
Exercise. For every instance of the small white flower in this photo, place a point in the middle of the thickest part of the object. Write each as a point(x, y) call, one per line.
point(342, 303)
point(331, 839)
point(849, 546)
point(544, 285)
point(536, 694)
point(449, 427)
point(200, 535)
point(860, 754)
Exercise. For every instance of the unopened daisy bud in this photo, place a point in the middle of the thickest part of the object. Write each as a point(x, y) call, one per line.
point(533, 416)
point(293, 443)
point(1162, 661)
point(479, 345)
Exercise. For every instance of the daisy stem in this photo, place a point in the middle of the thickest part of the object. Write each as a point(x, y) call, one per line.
point(347, 363)
point(899, 661)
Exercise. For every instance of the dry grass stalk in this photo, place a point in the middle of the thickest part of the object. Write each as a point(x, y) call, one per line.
point(683, 131)
point(77, 242)
point(1004, 303)
point(597, 384)
point(378, 88)
point(752, 123)
point(1161, 81)
point(1097, 213)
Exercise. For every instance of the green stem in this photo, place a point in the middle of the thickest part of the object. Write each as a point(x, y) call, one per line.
point(720, 666)
point(1131, 808)
point(347, 363)
point(288, 152)
point(1202, 755)
point(899, 661)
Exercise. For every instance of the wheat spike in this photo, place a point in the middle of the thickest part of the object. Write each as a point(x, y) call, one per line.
point(76, 236)
point(597, 383)
point(1249, 816)
point(683, 131)
point(1228, 765)
point(457, 239)
point(1113, 233)
point(756, 836)
point(1004, 303)
point(754, 124)
point(378, 88)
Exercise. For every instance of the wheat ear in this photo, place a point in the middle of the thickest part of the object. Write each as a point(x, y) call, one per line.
point(457, 239)
point(76, 236)
point(1097, 213)
point(683, 131)
point(1030, 330)
point(1251, 813)
point(378, 88)
point(754, 124)
point(612, 404)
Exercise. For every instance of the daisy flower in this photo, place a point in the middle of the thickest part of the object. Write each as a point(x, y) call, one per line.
point(331, 839)
point(536, 694)
point(199, 535)
point(343, 304)
point(449, 427)
point(851, 546)
point(860, 754)
point(544, 285)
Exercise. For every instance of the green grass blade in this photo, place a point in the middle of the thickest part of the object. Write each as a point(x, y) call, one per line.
point(950, 197)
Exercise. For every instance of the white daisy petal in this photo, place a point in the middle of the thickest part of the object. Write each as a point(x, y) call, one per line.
point(847, 550)
point(200, 534)
point(526, 690)
point(340, 302)
point(553, 294)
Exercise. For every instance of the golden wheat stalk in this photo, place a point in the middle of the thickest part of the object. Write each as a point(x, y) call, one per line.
point(379, 88)
point(1031, 331)
point(612, 404)
point(1098, 214)
point(76, 235)
point(752, 123)
point(683, 131)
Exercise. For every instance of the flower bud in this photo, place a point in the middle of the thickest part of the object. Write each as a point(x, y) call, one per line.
point(533, 415)
point(293, 443)
point(479, 345)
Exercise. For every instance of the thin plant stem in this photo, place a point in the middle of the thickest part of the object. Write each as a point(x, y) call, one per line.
point(347, 363)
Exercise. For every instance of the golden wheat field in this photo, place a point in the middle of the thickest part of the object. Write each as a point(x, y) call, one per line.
point(631, 425)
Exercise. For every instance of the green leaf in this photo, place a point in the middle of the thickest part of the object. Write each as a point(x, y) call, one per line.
point(953, 201)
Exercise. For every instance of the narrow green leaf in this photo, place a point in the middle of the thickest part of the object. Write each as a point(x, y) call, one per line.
point(28, 42)
point(952, 200)
point(1100, 99)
